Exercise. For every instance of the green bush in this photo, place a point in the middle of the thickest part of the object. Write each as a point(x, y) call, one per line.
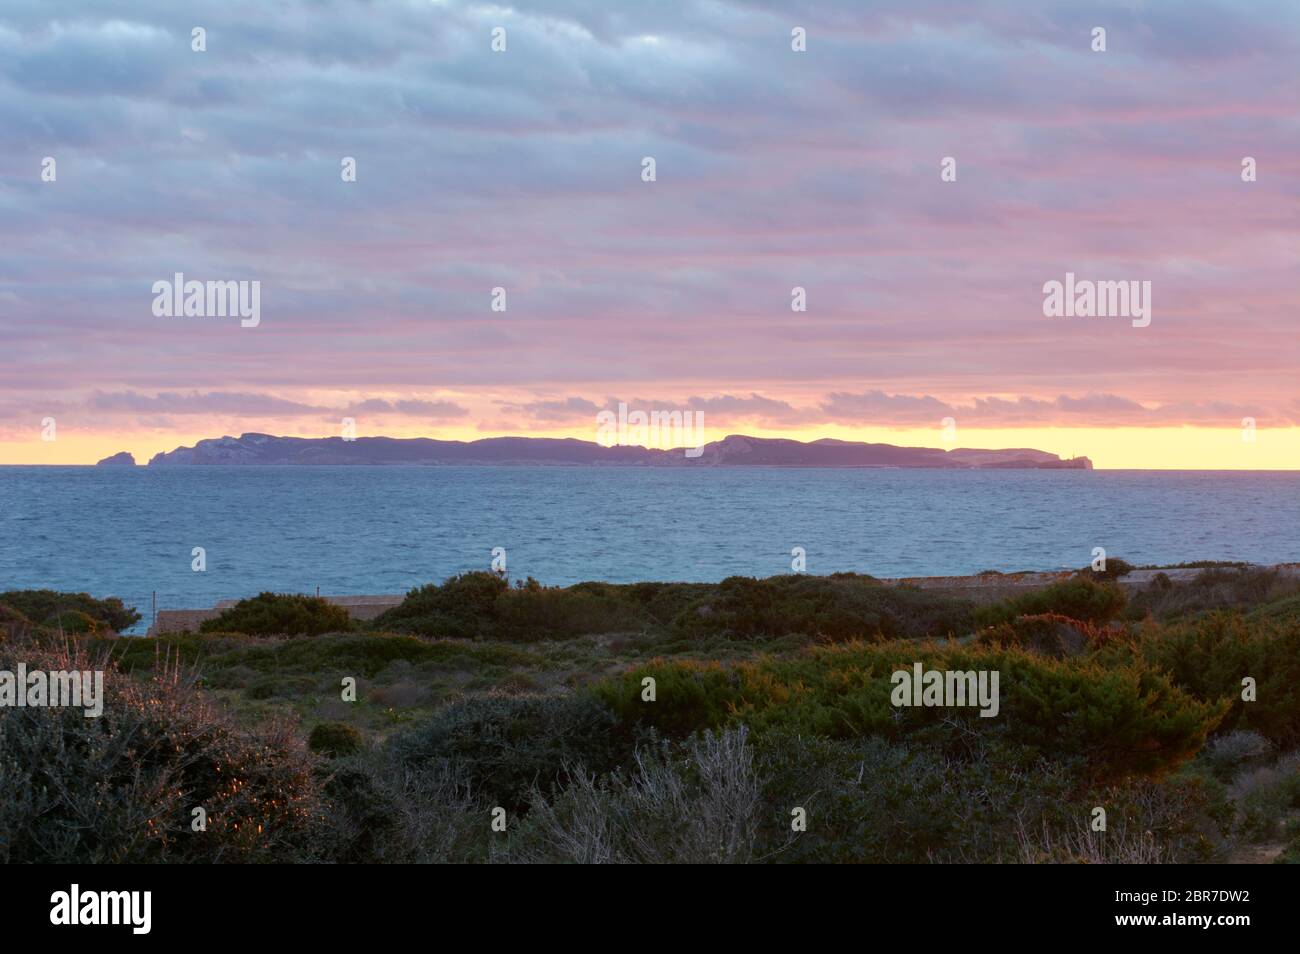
point(1078, 598)
point(463, 606)
point(1121, 720)
point(1208, 657)
point(1115, 568)
point(531, 611)
point(13, 624)
point(1049, 634)
point(334, 739)
point(483, 605)
point(507, 745)
point(121, 788)
point(74, 623)
point(884, 801)
point(1217, 588)
point(43, 606)
point(280, 614)
point(840, 607)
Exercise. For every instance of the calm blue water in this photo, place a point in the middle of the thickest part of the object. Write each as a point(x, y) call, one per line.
point(128, 532)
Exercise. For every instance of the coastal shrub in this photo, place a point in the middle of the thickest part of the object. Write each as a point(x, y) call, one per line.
point(384, 812)
point(279, 686)
point(1121, 719)
point(661, 602)
point(483, 605)
point(43, 606)
point(13, 624)
point(1182, 828)
point(1209, 656)
point(74, 623)
point(1217, 588)
point(354, 654)
point(334, 739)
point(507, 745)
point(1049, 634)
point(121, 788)
point(1078, 598)
point(1227, 753)
point(462, 606)
point(280, 614)
point(1115, 568)
point(838, 607)
point(700, 802)
point(888, 801)
point(532, 611)
point(843, 606)
point(1285, 611)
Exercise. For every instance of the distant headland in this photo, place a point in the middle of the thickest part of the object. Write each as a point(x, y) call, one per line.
point(120, 459)
point(733, 451)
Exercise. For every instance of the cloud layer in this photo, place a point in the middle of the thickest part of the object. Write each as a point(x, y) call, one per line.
point(521, 170)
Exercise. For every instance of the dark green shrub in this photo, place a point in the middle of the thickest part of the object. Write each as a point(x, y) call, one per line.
point(74, 623)
point(280, 614)
point(1121, 719)
point(279, 686)
point(1212, 589)
point(506, 745)
point(463, 606)
point(483, 605)
point(531, 611)
point(334, 739)
point(1048, 634)
point(42, 606)
point(13, 624)
point(1115, 568)
point(840, 607)
point(1208, 657)
point(1078, 598)
point(880, 801)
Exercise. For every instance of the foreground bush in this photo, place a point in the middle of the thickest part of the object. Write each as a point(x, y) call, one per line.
point(1119, 720)
point(1078, 598)
point(334, 739)
point(43, 607)
point(280, 614)
point(121, 788)
point(506, 746)
point(699, 803)
point(1049, 634)
point(1209, 657)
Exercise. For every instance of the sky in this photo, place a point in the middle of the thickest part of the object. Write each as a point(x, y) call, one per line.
point(523, 169)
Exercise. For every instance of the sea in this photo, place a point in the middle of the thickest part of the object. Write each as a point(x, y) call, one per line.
point(132, 532)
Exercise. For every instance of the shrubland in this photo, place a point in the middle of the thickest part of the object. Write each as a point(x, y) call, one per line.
point(769, 735)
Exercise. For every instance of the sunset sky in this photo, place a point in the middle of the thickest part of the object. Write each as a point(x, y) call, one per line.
point(522, 170)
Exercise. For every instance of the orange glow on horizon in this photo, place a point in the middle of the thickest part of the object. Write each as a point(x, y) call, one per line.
point(1137, 448)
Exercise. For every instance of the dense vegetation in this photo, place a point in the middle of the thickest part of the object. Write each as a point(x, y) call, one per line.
point(49, 608)
point(280, 614)
point(749, 720)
